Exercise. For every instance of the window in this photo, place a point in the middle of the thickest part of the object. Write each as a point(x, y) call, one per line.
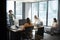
point(34, 10)
point(10, 6)
point(43, 11)
point(29, 13)
point(18, 10)
point(28, 8)
point(52, 11)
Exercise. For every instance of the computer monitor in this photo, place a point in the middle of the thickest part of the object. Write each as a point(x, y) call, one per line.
point(22, 21)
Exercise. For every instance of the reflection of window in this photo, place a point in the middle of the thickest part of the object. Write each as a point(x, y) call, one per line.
point(34, 10)
point(42, 11)
point(18, 10)
point(52, 11)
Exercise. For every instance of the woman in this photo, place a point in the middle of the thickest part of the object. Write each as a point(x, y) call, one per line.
point(28, 26)
point(54, 25)
point(37, 22)
point(28, 23)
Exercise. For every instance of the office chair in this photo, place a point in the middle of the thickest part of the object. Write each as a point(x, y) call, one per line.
point(40, 32)
point(28, 32)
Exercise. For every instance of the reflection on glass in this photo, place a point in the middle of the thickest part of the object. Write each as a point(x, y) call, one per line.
point(34, 10)
point(52, 11)
point(18, 10)
point(42, 11)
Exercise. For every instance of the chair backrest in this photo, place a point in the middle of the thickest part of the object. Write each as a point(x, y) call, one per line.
point(28, 29)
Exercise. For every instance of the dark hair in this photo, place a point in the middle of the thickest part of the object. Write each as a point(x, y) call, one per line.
point(55, 20)
point(28, 20)
point(10, 11)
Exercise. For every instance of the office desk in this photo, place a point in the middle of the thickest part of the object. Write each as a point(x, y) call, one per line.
point(14, 29)
point(15, 34)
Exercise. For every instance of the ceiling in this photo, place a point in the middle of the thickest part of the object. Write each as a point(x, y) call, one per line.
point(28, 0)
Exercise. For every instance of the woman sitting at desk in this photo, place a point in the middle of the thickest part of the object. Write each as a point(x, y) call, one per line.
point(27, 24)
point(54, 25)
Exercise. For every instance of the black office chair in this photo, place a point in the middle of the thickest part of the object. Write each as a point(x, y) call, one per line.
point(28, 32)
point(40, 33)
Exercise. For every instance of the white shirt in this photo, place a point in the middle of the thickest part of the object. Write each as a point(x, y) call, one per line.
point(37, 22)
point(54, 24)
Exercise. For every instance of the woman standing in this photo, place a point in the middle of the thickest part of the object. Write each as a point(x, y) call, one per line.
point(11, 16)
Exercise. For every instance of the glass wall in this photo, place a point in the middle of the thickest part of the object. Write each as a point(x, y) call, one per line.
point(18, 10)
point(43, 11)
point(29, 8)
point(10, 6)
point(16, 7)
point(34, 10)
point(46, 11)
point(52, 11)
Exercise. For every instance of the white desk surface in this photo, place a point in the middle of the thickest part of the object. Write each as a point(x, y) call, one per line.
point(14, 29)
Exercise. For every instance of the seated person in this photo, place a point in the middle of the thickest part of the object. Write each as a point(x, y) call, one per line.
point(27, 24)
point(38, 22)
point(54, 25)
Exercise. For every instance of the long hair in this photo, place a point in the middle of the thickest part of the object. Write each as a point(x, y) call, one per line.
point(10, 11)
point(28, 20)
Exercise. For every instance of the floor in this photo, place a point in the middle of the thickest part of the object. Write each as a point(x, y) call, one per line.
point(46, 36)
point(50, 37)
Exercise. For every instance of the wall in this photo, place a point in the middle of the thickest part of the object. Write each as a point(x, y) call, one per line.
point(59, 12)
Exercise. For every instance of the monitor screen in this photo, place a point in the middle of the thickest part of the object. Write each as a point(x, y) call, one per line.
point(22, 21)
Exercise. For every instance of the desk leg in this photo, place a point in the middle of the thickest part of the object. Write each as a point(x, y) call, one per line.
point(9, 35)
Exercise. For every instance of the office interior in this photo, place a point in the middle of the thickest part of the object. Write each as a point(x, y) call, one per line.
point(45, 10)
